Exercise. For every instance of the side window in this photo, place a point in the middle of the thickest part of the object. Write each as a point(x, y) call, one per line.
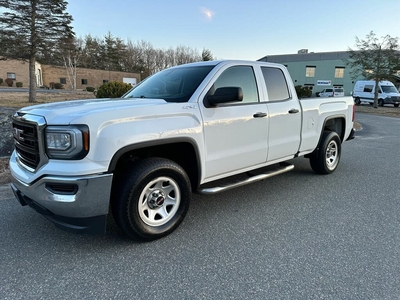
point(276, 84)
point(239, 76)
point(368, 88)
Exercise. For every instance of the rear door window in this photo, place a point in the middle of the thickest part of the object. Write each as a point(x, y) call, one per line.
point(276, 84)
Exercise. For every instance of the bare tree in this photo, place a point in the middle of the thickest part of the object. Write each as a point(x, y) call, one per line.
point(184, 55)
point(376, 59)
point(133, 59)
point(70, 52)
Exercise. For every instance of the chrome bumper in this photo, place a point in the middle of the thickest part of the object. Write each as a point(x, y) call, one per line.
point(78, 204)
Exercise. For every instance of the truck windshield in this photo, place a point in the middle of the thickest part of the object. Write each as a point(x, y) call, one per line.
point(389, 89)
point(172, 85)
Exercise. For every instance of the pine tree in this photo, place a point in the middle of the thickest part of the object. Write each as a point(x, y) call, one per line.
point(31, 30)
point(206, 55)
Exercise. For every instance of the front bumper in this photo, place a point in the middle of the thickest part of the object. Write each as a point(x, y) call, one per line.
point(76, 204)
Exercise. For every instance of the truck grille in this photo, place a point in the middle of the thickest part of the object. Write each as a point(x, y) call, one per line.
point(26, 144)
point(27, 140)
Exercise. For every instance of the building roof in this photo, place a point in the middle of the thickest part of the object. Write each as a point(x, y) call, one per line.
point(311, 56)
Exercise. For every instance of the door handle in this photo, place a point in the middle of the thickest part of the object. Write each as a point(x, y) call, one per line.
point(293, 111)
point(260, 115)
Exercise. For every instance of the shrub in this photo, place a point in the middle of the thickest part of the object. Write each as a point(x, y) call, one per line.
point(303, 92)
point(1, 80)
point(58, 86)
point(90, 89)
point(9, 82)
point(18, 84)
point(113, 89)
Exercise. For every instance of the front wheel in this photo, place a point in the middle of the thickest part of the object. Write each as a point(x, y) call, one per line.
point(357, 101)
point(381, 102)
point(152, 198)
point(396, 105)
point(326, 157)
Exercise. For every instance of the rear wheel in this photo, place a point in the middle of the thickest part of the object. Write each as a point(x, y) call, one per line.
point(381, 102)
point(326, 157)
point(396, 105)
point(152, 199)
point(357, 101)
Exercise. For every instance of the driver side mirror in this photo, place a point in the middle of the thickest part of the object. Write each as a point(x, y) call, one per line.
point(224, 95)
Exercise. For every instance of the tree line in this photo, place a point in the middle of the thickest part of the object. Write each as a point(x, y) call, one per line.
point(114, 54)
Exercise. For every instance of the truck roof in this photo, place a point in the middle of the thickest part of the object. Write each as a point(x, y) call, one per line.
point(227, 61)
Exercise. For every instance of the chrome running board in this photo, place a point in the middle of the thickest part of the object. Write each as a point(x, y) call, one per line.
point(282, 168)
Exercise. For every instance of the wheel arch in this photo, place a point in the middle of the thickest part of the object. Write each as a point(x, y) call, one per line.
point(183, 151)
point(335, 124)
point(331, 124)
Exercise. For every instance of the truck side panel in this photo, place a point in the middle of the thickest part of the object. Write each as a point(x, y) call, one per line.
point(315, 113)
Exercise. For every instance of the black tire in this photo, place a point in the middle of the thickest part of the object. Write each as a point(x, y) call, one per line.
point(381, 102)
point(151, 199)
point(357, 101)
point(396, 105)
point(326, 157)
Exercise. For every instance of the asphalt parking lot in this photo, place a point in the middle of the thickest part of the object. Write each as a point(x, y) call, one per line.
point(293, 236)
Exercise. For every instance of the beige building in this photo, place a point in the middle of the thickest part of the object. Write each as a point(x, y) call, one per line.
point(18, 71)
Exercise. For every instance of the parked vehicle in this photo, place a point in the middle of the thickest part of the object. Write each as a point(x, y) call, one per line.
point(331, 92)
point(364, 91)
point(183, 129)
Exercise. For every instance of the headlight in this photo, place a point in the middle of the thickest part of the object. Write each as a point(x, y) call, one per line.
point(67, 142)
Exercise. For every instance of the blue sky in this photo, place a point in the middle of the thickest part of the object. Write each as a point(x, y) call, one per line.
point(246, 29)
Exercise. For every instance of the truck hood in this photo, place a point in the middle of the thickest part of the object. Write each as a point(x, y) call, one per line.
point(65, 112)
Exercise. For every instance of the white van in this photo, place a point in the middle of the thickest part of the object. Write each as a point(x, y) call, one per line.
point(364, 91)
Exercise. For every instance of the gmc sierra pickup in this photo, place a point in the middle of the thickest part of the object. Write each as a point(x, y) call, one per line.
point(203, 127)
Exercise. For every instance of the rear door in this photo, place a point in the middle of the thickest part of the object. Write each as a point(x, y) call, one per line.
point(284, 115)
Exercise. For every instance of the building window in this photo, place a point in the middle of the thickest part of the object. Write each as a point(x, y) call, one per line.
point(310, 71)
point(339, 72)
point(84, 81)
point(63, 80)
point(11, 76)
point(105, 81)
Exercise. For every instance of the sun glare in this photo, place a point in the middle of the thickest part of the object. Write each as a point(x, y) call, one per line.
point(208, 13)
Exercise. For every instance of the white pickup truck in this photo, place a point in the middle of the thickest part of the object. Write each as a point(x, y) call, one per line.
point(202, 127)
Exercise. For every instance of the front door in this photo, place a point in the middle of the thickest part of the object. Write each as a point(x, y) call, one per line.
point(235, 133)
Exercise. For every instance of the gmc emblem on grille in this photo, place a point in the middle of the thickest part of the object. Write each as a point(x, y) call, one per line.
point(18, 134)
